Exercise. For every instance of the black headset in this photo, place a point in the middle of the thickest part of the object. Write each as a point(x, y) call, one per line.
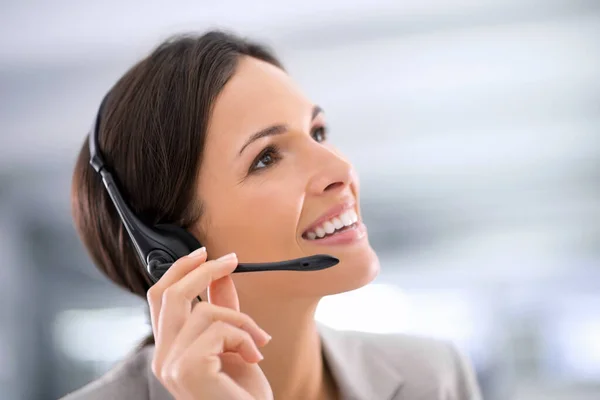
point(159, 246)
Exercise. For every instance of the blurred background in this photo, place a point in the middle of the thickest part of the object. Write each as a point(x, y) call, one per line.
point(474, 126)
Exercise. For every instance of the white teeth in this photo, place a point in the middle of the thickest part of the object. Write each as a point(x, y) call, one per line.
point(329, 227)
point(337, 223)
point(347, 218)
point(320, 232)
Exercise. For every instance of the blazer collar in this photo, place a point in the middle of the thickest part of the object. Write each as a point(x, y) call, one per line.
point(362, 371)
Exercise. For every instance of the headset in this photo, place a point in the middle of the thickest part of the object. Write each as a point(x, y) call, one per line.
point(159, 246)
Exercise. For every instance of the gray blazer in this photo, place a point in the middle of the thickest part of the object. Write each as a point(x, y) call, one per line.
point(365, 366)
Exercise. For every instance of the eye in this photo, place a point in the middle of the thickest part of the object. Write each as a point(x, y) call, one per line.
point(319, 134)
point(265, 159)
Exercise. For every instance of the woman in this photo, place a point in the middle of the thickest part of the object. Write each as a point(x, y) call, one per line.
point(209, 133)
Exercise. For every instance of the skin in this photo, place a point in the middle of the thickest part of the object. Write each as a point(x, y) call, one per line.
point(261, 216)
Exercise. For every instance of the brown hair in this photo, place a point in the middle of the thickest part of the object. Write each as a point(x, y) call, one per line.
point(152, 135)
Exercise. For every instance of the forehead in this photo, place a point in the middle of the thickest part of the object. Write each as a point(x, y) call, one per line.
point(257, 96)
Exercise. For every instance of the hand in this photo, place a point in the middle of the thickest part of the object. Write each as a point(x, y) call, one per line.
point(209, 350)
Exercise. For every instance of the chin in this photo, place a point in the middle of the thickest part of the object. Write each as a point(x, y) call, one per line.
point(355, 270)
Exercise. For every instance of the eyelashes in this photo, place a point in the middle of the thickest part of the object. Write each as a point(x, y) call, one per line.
point(271, 154)
point(266, 158)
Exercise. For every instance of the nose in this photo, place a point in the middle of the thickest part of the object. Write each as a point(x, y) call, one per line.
point(332, 173)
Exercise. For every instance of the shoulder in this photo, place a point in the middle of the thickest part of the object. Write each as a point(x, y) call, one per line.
point(130, 379)
point(425, 367)
point(422, 360)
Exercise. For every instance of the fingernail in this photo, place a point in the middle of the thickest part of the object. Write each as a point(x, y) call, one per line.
point(198, 252)
point(261, 337)
point(227, 257)
point(266, 336)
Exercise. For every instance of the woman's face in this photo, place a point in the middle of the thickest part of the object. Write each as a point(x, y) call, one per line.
point(272, 183)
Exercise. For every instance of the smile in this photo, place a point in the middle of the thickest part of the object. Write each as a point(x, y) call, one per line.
point(346, 220)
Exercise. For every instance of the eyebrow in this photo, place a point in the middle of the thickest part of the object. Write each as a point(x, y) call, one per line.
point(276, 129)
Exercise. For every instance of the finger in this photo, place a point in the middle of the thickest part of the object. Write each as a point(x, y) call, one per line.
point(199, 279)
point(203, 316)
point(180, 268)
point(222, 292)
point(219, 338)
point(177, 271)
point(177, 301)
point(200, 366)
point(186, 380)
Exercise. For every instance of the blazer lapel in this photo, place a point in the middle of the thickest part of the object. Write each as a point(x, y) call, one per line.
point(361, 371)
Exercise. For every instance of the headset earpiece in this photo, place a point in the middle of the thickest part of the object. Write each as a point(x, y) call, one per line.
point(176, 243)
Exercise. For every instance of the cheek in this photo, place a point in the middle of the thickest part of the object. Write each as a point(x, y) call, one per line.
point(273, 209)
point(258, 220)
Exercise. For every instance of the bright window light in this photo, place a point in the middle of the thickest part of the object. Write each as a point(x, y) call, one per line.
point(103, 335)
point(384, 308)
point(578, 345)
point(366, 309)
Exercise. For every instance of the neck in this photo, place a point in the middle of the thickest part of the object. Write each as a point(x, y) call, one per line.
point(293, 362)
